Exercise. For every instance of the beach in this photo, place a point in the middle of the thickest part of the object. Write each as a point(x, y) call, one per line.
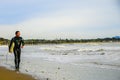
point(6, 74)
point(90, 61)
point(63, 72)
point(60, 39)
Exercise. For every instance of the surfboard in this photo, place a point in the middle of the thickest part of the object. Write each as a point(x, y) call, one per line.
point(11, 47)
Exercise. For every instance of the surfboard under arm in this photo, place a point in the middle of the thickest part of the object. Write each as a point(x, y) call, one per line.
point(12, 47)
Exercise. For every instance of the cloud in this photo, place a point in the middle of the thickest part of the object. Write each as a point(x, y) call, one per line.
point(77, 19)
point(59, 24)
point(73, 18)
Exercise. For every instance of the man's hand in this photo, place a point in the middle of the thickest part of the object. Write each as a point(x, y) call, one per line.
point(22, 46)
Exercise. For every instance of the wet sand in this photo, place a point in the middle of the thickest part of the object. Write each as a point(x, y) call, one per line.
point(6, 74)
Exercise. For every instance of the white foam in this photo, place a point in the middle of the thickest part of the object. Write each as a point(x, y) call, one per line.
point(87, 55)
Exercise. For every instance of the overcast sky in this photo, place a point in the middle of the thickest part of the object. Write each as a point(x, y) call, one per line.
point(51, 19)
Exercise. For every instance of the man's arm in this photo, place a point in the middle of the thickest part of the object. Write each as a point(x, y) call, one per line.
point(22, 43)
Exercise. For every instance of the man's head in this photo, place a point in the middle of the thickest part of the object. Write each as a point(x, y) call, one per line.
point(17, 33)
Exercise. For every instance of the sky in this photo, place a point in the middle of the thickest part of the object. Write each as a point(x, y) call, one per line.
point(55, 19)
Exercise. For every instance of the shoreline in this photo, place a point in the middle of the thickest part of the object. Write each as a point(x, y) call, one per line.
point(66, 43)
point(6, 74)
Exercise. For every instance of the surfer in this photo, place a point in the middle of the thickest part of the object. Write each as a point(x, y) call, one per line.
point(18, 44)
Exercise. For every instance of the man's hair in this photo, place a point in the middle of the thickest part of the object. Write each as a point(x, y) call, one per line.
point(17, 32)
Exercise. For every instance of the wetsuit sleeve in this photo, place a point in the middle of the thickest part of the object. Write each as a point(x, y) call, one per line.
point(11, 43)
point(23, 43)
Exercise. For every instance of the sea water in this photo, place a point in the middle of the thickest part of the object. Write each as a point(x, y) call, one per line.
point(64, 61)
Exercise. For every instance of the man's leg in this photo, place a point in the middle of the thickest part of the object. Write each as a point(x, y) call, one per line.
point(19, 56)
point(16, 59)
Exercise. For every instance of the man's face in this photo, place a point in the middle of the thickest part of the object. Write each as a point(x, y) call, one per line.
point(18, 34)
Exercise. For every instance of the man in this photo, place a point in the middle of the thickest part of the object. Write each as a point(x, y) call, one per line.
point(18, 44)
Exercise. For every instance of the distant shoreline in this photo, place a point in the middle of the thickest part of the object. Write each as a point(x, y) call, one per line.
point(62, 41)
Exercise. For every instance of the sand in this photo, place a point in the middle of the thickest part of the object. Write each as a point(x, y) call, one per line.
point(6, 74)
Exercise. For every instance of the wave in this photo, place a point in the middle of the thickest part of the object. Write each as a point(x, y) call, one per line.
point(91, 50)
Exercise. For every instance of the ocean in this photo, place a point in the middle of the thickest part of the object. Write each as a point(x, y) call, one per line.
point(83, 61)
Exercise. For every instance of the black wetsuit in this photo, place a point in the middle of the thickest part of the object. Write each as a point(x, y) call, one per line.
point(17, 49)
